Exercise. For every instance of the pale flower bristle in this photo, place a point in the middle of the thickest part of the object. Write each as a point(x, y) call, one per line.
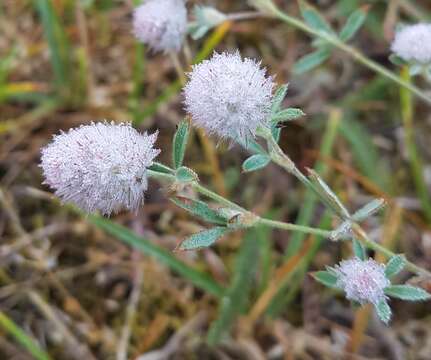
point(161, 24)
point(101, 166)
point(363, 281)
point(413, 43)
point(229, 96)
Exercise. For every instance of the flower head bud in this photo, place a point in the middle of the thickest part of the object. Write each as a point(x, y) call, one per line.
point(363, 281)
point(100, 166)
point(413, 43)
point(162, 24)
point(228, 96)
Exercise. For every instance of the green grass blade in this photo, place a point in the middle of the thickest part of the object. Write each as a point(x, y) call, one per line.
point(196, 277)
point(22, 338)
point(235, 299)
point(57, 42)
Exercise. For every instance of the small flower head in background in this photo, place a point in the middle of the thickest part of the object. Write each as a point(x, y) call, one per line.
point(363, 281)
point(102, 166)
point(162, 24)
point(412, 43)
point(229, 97)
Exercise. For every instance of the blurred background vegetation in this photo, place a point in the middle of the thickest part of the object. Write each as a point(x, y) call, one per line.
point(76, 287)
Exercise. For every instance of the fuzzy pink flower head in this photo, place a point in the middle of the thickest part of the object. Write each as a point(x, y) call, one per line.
point(229, 96)
point(363, 281)
point(162, 24)
point(101, 166)
point(413, 43)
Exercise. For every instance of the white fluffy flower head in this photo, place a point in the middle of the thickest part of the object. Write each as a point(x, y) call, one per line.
point(363, 281)
point(228, 96)
point(162, 24)
point(413, 43)
point(102, 166)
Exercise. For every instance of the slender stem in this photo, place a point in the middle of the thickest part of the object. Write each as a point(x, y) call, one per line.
point(363, 237)
point(286, 226)
point(246, 15)
point(354, 53)
point(294, 227)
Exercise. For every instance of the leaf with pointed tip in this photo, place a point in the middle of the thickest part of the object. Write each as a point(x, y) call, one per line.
point(369, 209)
point(354, 23)
point(199, 209)
point(359, 250)
point(185, 175)
point(314, 19)
point(326, 278)
point(287, 115)
point(161, 168)
point(407, 292)
point(255, 162)
point(395, 264)
point(310, 61)
point(383, 311)
point(179, 143)
point(328, 195)
point(278, 98)
point(203, 239)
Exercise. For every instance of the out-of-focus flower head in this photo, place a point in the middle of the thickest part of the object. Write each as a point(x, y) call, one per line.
point(412, 43)
point(162, 24)
point(229, 96)
point(101, 166)
point(363, 281)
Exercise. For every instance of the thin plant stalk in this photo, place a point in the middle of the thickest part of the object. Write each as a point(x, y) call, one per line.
point(283, 225)
point(351, 51)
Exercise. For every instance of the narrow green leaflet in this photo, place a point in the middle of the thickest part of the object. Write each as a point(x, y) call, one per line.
point(310, 61)
point(326, 278)
point(255, 162)
point(342, 232)
point(407, 292)
point(203, 239)
point(158, 167)
point(358, 249)
point(354, 23)
point(199, 209)
point(179, 143)
point(369, 209)
point(278, 98)
point(314, 19)
point(328, 194)
point(185, 175)
point(395, 265)
point(196, 277)
point(383, 311)
point(287, 115)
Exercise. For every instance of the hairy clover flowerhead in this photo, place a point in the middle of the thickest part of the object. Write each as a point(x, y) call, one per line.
point(101, 166)
point(363, 281)
point(229, 96)
point(413, 43)
point(162, 24)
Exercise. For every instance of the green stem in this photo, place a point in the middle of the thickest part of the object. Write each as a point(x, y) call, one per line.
point(354, 53)
point(293, 227)
point(282, 225)
point(416, 165)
